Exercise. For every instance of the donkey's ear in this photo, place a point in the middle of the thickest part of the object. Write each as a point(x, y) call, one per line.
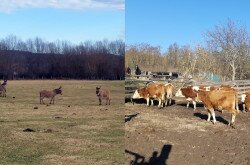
point(60, 87)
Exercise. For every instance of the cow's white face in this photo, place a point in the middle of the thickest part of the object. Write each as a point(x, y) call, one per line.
point(179, 93)
point(136, 95)
point(243, 97)
point(196, 88)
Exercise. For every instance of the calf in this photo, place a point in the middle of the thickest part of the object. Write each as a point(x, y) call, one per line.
point(103, 93)
point(219, 100)
point(50, 94)
point(152, 91)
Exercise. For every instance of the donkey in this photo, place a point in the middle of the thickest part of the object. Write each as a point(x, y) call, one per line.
point(3, 89)
point(50, 94)
point(103, 93)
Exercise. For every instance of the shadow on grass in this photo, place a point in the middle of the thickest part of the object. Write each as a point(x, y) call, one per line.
point(154, 159)
point(204, 117)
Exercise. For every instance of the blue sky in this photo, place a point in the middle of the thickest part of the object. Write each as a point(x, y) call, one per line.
point(163, 22)
point(72, 20)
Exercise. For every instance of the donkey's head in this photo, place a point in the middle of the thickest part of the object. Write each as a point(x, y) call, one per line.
point(4, 82)
point(58, 90)
point(98, 90)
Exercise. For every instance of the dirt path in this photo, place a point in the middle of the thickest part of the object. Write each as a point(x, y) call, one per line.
point(177, 135)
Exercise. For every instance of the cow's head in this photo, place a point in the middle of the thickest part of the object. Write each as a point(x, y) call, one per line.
point(243, 98)
point(137, 95)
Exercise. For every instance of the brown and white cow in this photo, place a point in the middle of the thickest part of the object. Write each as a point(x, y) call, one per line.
point(219, 100)
point(190, 93)
point(245, 99)
point(169, 88)
point(152, 91)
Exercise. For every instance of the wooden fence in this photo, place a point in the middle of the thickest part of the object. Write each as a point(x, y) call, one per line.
point(136, 81)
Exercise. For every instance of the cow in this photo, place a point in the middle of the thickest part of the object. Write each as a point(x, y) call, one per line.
point(245, 99)
point(152, 91)
point(169, 88)
point(103, 93)
point(3, 89)
point(190, 93)
point(219, 100)
point(50, 94)
point(169, 93)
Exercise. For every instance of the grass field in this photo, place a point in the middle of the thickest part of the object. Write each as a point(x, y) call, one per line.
point(75, 130)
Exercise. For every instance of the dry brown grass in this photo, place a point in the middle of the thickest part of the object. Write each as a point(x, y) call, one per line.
point(73, 131)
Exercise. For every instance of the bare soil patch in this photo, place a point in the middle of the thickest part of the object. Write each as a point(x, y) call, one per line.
point(177, 135)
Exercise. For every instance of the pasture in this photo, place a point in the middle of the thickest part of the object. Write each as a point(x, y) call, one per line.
point(75, 130)
point(177, 135)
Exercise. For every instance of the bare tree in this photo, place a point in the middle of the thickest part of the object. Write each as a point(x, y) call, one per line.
point(229, 42)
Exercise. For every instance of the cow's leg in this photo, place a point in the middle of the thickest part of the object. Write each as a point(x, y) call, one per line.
point(233, 116)
point(188, 104)
point(147, 101)
point(152, 102)
point(194, 103)
point(166, 102)
point(159, 105)
point(208, 114)
point(233, 119)
point(170, 101)
point(244, 106)
point(213, 114)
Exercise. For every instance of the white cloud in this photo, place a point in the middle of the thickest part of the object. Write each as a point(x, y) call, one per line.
point(8, 6)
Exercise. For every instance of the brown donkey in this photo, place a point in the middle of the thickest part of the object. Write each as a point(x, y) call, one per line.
point(103, 93)
point(50, 94)
point(3, 88)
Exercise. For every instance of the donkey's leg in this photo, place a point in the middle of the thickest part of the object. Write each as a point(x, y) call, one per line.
point(43, 101)
point(100, 101)
point(51, 100)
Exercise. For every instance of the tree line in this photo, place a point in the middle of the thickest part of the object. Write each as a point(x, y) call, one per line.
point(226, 53)
point(40, 59)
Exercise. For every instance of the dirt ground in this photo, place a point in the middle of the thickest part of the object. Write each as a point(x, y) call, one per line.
point(176, 135)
